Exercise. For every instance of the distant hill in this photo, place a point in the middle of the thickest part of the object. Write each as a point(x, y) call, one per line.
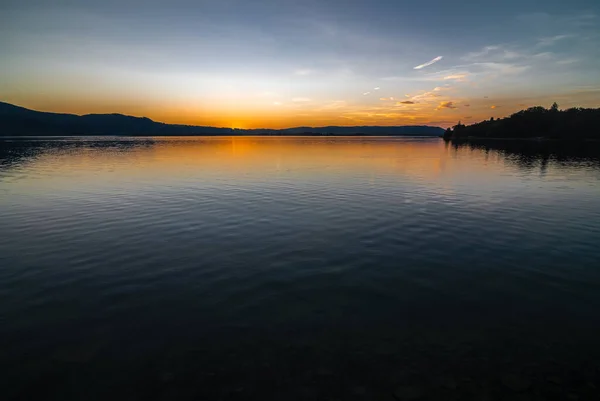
point(535, 122)
point(19, 121)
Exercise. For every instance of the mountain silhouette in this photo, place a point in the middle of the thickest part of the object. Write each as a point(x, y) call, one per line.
point(19, 121)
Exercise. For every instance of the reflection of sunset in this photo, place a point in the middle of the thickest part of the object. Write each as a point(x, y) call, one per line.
point(345, 169)
point(263, 158)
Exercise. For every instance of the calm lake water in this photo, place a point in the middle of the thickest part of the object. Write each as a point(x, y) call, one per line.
point(298, 269)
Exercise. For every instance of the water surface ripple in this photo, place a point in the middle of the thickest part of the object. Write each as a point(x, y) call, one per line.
point(298, 269)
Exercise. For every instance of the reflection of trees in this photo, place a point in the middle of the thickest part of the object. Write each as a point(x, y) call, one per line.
point(16, 152)
point(537, 154)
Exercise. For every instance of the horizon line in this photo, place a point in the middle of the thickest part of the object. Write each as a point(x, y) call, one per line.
point(239, 128)
point(211, 126)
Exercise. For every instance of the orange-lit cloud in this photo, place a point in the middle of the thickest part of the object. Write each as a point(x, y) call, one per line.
point(446, 105)
point(456, 77)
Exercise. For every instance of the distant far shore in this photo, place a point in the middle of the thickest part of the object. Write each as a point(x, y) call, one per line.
point(217, 136)
point(309, 135)
point(19, 121)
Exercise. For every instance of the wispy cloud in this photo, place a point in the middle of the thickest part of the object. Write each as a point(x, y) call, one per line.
point(386, 98)
point(366, 93)
point(435, 60)
point(502, 68)
point(446, 105)
point(496, 53)
point(376, 88)
point(550, 41)
point(567, 61)
point(426, 96)
point(473, 70)
point(543, 56)
point(406, 102)
point(335, 105)
point(481, 53)
point(491, 62)
point(456, 77)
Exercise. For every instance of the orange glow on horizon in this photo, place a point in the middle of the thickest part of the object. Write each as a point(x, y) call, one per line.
point(264, 114)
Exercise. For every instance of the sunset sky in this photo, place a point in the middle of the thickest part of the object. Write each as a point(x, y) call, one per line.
point(268, 63)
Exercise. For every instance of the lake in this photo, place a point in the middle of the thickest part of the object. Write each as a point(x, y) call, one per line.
point(300, 268)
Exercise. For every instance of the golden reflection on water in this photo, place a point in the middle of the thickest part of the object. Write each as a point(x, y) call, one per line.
point(303, 154)
point(156, 160)
point(257, 153)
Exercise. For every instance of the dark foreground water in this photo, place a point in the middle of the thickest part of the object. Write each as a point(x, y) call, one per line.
point(298, 269)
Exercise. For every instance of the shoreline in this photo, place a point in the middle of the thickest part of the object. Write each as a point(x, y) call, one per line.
point(534, 139)
point(216, 136)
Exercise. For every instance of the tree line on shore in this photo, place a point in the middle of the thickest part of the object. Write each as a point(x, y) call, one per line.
point(534, 122)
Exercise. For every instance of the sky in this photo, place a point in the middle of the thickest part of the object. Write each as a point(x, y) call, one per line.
point(275, 64)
